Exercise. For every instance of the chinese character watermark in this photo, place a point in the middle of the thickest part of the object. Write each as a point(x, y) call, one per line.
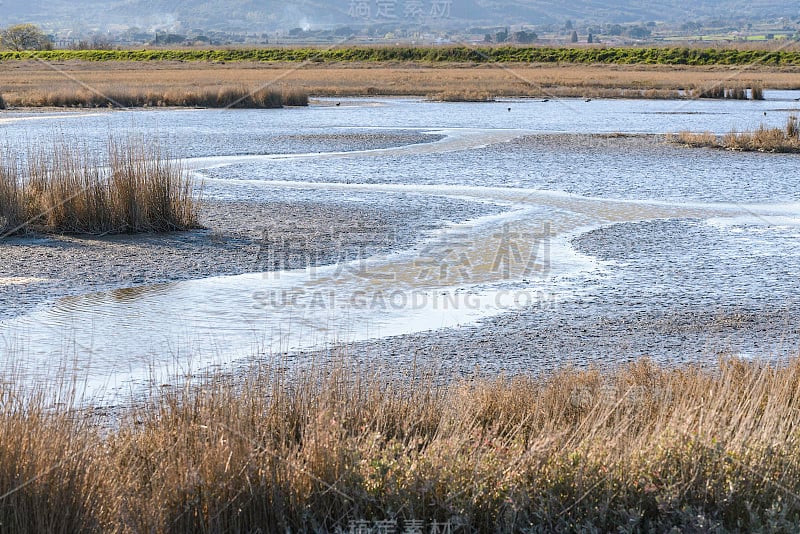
point(392, 526)
point(383, 10)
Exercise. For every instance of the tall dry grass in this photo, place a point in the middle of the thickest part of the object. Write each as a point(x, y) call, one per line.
point(644, 448)
point(23, 81)
point(786, 139)
point(63, 190)
point(138, 96)
point(461, 96)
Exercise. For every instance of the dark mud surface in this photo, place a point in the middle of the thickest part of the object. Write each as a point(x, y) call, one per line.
point(239, 237)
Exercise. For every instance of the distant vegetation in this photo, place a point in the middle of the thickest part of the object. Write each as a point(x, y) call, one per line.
point(656, 56)
point(116, 96)
point(786, 139)
point(64, 190)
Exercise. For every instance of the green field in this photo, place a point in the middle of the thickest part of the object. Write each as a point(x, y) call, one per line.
point(656, 56)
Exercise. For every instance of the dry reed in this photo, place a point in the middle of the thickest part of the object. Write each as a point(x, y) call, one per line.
point(62, 190)
point(23, 81)
point(761, 140)
point(645, 448)
point(461, 96)
point(209, 97)
point(735, 92)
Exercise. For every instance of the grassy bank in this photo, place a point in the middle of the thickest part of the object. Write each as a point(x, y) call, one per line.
point(461, 54)
point(763, 139)
point(641, 448)
point(65, 190)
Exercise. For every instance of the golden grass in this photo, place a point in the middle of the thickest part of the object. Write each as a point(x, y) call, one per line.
point(135, 96)
point(62, 190)
point(23, 80)
point(461, 96)
point(761, 140)
point(644, 447)
point(725, 90)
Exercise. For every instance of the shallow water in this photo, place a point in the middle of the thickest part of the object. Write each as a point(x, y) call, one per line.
point(631, 222)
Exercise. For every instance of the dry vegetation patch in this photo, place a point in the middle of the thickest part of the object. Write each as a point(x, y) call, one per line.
point(23, 81)
point(143, 96)
point(763, 139)
point(65, 190)
point(646, 447)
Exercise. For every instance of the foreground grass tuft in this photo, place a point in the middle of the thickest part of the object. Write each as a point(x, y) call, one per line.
point(763, 139)
point(63, 190)
point(644, 448)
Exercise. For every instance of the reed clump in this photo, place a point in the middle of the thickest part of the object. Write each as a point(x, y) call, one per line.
point(64, 190)
point(735, 92)
point(208, 97)
point(702, 139)
point(461, 96)
point(644, 447)
point(786, 139)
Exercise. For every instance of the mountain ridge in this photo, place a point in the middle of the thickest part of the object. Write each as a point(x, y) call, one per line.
point(272, 15)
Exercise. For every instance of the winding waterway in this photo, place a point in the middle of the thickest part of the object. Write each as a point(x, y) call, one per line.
point(589, 204)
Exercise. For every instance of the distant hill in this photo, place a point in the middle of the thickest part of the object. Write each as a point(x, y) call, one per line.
point(270, 15)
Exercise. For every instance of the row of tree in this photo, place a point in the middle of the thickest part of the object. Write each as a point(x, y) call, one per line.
point(24, 37)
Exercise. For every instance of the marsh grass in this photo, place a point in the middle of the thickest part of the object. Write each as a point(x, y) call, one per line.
point(64, 190)
point(644, 447)
point(461, 96)
point(735, 92)
point(786, 139)
point(137, 96)
point(26, 80)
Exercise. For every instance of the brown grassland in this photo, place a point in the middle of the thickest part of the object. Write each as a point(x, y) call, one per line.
point(29, 81)
point(643, 448)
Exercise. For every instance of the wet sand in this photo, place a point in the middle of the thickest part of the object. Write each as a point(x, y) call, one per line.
point(239, 237)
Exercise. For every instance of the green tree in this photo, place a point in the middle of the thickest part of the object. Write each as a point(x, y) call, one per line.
point(24, 37)
point(574, 37)
point(639, 32)
point(524, 37)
